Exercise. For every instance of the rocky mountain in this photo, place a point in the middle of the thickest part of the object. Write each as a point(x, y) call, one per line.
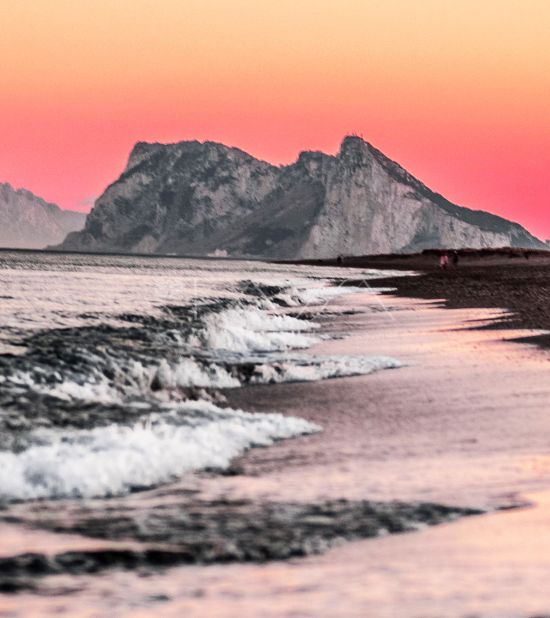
point(28, 222)
point(198, 198)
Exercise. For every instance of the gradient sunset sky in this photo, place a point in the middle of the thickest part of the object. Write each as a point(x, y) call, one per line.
point(457, 91)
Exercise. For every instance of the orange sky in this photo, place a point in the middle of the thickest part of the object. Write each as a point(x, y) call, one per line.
point(456, 91)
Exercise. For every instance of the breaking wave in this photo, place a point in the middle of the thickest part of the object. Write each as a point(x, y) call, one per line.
point(246, 329)
point(114, 460)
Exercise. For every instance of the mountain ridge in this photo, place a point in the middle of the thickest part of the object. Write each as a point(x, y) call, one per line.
point(196, 197)
point(27, 221)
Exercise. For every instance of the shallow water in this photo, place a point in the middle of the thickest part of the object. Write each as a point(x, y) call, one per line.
point(117, 361)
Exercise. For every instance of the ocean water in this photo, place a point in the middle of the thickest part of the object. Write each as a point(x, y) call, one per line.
point(112, 366)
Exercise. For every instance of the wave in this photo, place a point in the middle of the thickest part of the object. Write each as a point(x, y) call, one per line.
point(172, 380)
point(310, 369)
point(213, 345)
point(254, 329)
point(114, 460)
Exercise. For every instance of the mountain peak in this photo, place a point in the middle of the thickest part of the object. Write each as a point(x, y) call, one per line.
point(190, 151)
point(142, 151)
point(353, 141)
point(355, 149)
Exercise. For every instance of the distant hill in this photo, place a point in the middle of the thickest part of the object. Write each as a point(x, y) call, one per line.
point(29, 222)
point(199, 198)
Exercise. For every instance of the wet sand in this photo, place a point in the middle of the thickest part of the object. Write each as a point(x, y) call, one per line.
point(465, 422)
point(453, 425)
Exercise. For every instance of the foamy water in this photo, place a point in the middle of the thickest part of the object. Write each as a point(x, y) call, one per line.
point(114, 460)
point(118, 360)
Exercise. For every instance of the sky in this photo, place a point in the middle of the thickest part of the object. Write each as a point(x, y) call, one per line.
point(456, 92)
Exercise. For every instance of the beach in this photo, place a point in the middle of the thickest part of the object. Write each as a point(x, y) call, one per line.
point(516, 280)
point(462, 422)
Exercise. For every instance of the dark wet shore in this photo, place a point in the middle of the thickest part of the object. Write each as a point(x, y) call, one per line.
point(205, 532)
point(506, 279)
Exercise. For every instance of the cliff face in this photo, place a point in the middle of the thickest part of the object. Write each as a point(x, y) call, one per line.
point(196, 198)
point(28, 222)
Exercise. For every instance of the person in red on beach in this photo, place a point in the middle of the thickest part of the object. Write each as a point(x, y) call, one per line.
point(443, 261)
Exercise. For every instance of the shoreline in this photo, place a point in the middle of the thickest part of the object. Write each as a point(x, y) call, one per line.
point(421, 334)
point(481, 280)
point(462, 418)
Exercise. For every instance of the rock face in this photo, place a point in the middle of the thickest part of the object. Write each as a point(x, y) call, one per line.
point(199, 198)
point(28, 222)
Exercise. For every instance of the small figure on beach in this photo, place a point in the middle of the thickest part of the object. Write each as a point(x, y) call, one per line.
point(455, 258)
point(443, 261)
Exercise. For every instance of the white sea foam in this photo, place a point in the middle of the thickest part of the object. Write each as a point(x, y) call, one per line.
point(187, 372)
point(136, 381)
point(114, 460)
point(254, 330)
point(321, 295)
point(312, 368)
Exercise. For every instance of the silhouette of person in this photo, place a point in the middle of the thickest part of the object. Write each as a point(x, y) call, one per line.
point(455, 258)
